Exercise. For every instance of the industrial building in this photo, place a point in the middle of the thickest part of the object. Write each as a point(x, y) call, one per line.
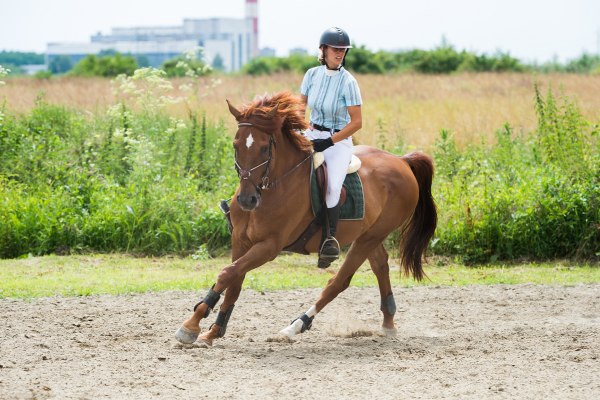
point(228, 42)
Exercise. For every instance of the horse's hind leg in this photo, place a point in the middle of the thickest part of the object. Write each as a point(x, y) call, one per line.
point(341, 280)
point(378, 259)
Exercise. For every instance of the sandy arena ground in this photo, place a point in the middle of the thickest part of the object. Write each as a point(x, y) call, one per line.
point(524, 341)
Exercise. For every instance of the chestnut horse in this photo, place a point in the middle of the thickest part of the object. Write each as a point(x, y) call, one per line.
point(272, 207)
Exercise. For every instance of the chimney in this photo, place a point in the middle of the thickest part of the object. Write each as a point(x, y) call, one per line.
point(252, 14)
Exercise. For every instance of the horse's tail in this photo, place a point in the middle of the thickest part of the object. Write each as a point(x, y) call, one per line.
point(420, 229)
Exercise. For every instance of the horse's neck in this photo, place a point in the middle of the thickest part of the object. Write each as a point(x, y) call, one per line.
point(291, 173)
point(289, 157)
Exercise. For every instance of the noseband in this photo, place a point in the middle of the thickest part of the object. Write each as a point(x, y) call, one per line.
point(244, 174)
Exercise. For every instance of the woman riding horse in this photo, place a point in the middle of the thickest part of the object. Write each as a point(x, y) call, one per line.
point(335, 103)
point(272, 208)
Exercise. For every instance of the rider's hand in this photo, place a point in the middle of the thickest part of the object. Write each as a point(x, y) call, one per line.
point(322, 144)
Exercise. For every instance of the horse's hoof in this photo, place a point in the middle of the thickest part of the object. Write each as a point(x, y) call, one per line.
point(206, 340)
point(280, 338)
point(186, 336)
point(389, 332)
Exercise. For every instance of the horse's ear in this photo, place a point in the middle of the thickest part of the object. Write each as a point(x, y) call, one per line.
point(273, 112)
point(234, 111)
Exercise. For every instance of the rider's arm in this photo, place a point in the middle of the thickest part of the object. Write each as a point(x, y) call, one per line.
point(353, 126)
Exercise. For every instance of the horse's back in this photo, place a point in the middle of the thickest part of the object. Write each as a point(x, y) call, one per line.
point(378, 165)
point(389, 184)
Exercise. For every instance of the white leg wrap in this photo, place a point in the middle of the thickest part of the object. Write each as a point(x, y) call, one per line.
point(296, 327)
point(312, 311)
point(292, 330)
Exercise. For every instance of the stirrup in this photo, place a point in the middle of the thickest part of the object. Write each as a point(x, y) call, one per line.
point(325, 260)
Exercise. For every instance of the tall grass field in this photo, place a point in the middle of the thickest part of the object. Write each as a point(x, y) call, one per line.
point(138, 164)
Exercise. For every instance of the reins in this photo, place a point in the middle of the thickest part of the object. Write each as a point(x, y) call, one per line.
point(266, 183)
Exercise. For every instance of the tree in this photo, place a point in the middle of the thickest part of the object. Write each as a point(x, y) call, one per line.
point(18, 58)
point(60, 64)
point(188, 64)
point(108, 65)
point(218, 64)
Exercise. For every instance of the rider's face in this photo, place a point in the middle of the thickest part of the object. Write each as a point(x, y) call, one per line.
point(334, 56)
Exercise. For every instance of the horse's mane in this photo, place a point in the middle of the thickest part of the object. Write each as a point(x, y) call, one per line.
point(285, 107)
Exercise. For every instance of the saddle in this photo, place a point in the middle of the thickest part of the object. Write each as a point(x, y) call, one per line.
point(320, 169)
point(354, 210)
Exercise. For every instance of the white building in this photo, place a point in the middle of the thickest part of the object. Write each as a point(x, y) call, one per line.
point(233, 42)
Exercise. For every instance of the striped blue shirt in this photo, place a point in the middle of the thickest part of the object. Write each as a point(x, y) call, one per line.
point(329, 96)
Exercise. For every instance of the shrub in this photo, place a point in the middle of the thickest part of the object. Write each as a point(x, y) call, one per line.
point(114, 182)
point(442, 60)
point(536, 198)
point(271, 65)
point(60, 64)
point(190, 64)
point(106, 65)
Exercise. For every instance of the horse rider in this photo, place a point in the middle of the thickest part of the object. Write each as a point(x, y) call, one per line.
point(333, 95)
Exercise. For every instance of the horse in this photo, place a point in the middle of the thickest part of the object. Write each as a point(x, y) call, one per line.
point(271, 209)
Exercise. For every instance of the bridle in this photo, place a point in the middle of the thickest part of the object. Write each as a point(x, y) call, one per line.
point(244, 174)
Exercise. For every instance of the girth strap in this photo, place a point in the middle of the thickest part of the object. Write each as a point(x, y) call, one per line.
point(299, 245)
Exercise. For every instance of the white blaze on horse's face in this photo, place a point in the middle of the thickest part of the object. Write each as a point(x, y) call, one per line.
point(249, 140)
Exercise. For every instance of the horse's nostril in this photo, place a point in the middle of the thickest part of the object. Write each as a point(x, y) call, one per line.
point(248, 202)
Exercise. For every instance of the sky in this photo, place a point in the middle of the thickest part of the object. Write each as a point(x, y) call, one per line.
point(530, 30)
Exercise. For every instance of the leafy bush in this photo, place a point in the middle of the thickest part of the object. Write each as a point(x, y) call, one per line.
point(585, 64)
point(501, 62)
point(126, 181)
point(19, 58)
point(190, 64)
point(136, 180)
point(3, 72)
point(270, 65)
point(537, 197)
point(60, 64)
point(45, 74)
point(441, 60)
point(105, 65)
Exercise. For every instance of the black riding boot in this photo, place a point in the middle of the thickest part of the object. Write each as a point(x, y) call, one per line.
point(330, 249)
point(224, 207)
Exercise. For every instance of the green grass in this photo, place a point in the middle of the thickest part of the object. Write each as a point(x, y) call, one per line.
point(120, 274)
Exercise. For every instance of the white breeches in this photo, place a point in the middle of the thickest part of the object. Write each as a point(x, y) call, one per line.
point(338, 158)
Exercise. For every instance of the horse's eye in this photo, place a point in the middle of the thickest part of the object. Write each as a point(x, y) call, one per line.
point(264, 149)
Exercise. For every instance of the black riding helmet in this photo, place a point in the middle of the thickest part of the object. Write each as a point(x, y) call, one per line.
point(334, 37)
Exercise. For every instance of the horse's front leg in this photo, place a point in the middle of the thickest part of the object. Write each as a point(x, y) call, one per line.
point(217, 330)
point(229, 277)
